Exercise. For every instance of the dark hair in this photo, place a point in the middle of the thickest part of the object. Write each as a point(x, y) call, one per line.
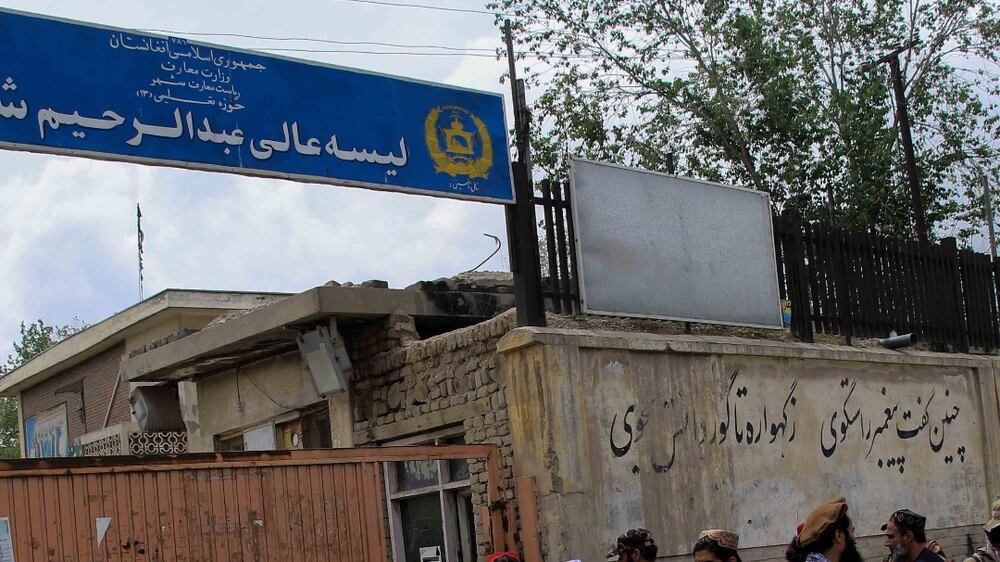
point(648, 552)
point(717, 550)
point(795, 552)
point(918, 535)
point(792, 550)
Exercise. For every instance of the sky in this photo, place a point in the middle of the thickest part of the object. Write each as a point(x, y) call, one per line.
point(68, 240)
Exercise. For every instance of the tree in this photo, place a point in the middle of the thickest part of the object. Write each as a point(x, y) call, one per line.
point(35, 338)
point(773, 95)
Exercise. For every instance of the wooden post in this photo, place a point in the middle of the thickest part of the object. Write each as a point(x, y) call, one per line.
point(988, 211)
point(961, 327)
point(902, 116)
point(841, 245)
point(798, 285)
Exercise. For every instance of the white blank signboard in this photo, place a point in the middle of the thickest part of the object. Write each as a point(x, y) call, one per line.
point(659, 246)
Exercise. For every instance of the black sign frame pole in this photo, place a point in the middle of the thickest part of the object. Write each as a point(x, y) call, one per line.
point(522, 238)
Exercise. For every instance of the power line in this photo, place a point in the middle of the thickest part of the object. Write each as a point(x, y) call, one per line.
point(359, 52)
point(313, 40)
point(429, 7)
point(481, 52)
point(427, 54)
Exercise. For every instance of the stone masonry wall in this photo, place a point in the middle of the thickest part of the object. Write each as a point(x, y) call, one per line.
point(410, 387)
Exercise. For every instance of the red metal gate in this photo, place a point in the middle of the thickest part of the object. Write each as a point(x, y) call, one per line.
point(280, 506)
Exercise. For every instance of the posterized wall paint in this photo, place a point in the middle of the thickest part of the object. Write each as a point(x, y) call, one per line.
point(630, 431)
point(47, 434)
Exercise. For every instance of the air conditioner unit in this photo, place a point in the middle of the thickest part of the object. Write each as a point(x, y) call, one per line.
point(326, 357)
point(157, 408)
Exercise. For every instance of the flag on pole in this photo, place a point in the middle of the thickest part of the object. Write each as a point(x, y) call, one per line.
point(138, 220)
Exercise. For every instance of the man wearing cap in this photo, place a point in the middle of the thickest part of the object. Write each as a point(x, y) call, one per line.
point(905, 538)
point(634, 545)
point(827, 535)
point(717, 545)
point(990, 552)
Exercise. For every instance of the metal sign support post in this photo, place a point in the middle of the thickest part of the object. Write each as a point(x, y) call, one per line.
point(521, 234)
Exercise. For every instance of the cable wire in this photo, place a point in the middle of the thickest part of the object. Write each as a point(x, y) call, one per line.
point(430, 7)
point(314, 40)
point(266, 395)
point(358, 52)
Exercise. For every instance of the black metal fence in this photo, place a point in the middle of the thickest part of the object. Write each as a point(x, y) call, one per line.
point(860, 284)
point(559, 273)
point(838, 282)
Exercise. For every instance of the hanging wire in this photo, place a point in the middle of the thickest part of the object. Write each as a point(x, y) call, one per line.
point(495, 239)
point(261, 390)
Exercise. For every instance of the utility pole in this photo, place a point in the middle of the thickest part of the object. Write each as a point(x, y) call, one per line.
point(988, 212)
point(522, 238)
point(903, 118)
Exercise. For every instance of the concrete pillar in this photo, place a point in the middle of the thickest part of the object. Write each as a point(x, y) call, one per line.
point(341, 422)
point(341, 415)
point(187, 392)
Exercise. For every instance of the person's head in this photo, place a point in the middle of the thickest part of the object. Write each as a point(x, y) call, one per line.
point(904, 534)
point(828, 531)
point(992, 527)
point(634, 545)
point(717, 545)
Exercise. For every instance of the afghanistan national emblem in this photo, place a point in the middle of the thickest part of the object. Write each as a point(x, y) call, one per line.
point(458, 142)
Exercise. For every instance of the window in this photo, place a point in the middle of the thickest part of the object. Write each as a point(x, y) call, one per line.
point(260, 438)
point(234, 443)
point(289, 434)
point(304, 429)
point(316, 429)
point(430, 508)
point(310, 431)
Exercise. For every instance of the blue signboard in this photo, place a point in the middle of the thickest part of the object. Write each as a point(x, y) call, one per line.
point(85, 90)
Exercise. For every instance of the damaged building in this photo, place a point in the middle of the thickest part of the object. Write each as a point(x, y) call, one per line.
point(601, 425)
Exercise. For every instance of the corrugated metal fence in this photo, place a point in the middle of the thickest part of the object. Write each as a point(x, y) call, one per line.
point(273, 506)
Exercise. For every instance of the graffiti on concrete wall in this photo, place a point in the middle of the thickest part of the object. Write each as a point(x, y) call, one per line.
point(47, 434)
point(753, 417)
point(753, 443)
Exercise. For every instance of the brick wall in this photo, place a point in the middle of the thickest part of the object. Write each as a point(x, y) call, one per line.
point(404, 387)
point(99, 374)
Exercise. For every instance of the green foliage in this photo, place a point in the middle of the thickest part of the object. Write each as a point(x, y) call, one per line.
point(775, 96)
point(35, 338)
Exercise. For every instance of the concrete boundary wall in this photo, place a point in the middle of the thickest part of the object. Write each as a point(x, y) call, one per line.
point(680, 433)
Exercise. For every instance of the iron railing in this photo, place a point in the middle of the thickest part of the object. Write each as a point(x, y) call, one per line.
point(851, 283)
